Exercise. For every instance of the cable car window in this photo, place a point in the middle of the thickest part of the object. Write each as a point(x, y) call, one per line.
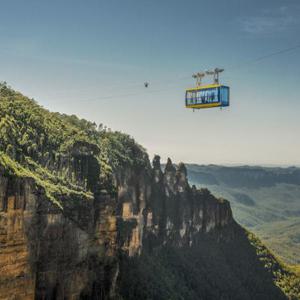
point(190, 97)
point(198, 97)
point(224, 95)
point(207, 96)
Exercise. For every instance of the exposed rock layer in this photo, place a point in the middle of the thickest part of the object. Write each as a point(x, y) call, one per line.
point(47, 253)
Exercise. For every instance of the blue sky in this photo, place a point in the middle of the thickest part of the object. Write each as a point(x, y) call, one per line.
point(91, 58)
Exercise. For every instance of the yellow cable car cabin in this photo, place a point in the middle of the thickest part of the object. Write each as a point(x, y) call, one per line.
point(207, 96)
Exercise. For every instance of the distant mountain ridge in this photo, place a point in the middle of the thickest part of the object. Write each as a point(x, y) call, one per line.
point(244, 176)
point(264, 199)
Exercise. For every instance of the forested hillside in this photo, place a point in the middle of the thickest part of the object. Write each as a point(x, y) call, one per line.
point(37, 143)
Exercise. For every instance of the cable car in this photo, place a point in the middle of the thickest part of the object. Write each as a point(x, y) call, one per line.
point(207, 96)
point(213, 95)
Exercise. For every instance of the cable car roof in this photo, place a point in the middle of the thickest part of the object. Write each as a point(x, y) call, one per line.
point(203, 87)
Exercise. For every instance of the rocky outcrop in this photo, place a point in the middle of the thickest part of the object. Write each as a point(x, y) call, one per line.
point(176, 213)
point(72, 253)
point(161, 207)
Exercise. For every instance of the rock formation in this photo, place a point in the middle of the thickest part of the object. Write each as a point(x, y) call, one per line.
point(51, 253)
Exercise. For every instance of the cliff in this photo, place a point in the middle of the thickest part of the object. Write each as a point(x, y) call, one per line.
point(72, 252)
point(84, 215)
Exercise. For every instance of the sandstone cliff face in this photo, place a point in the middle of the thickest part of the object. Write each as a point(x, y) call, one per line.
point(164, 209)
point(49, 253)
point(46, 255)
point(16, 216)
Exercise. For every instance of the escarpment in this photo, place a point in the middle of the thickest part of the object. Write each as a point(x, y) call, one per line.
point(85, 215)
point(160, 207)
point(71, 252)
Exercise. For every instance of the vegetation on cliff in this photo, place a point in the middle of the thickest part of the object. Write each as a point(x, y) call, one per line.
point(63, 154)
point(285, 277)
